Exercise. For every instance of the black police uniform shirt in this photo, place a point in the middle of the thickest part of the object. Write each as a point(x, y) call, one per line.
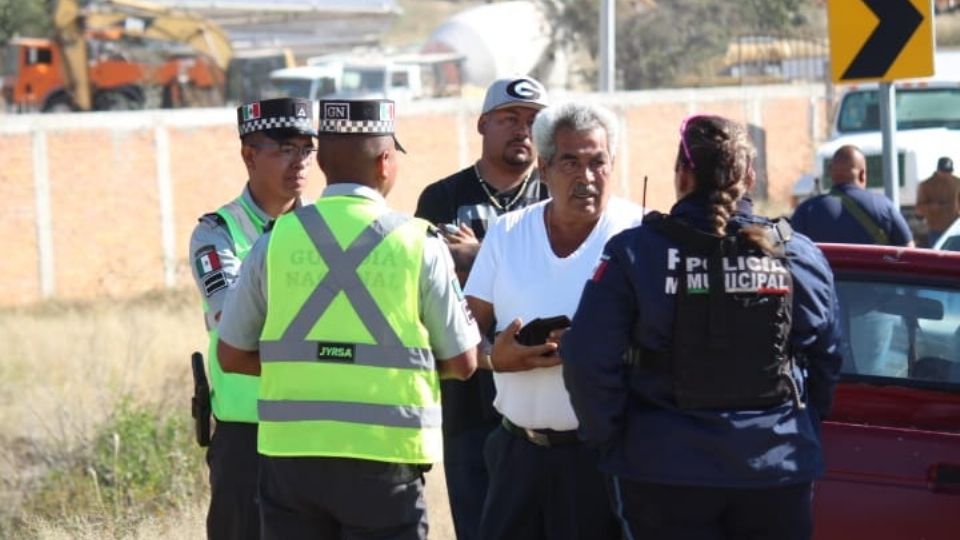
point(824, 219)
point(461, 199)
point(642, 433)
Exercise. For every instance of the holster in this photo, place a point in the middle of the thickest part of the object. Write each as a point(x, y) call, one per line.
point(200, 403)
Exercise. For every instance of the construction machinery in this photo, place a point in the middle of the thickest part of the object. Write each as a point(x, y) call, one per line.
point(118, 54)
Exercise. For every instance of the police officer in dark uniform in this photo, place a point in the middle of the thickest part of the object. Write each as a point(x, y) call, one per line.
point(276, 144)
point(850, 213)
point(703, 355)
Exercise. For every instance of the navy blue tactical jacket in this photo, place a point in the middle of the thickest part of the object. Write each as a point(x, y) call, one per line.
point(632, 417)
point(824, 219)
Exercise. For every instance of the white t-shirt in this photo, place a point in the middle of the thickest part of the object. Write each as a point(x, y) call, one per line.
point(518, 272)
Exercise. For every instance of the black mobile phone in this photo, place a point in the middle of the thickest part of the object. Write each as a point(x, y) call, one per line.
point(536, 331)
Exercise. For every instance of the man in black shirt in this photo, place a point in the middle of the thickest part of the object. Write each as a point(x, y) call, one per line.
point(462, 205)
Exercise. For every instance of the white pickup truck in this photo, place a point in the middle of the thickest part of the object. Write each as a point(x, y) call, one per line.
point(928, 128)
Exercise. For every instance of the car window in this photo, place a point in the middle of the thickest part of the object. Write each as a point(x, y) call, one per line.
point(951, 244)
point(293, 87)
point(909, 332)
point(950, 239)
point(915, 108)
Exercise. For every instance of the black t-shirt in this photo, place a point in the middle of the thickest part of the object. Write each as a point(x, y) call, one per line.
point(460, 198)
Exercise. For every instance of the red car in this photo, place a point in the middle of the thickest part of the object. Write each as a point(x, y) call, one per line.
point(892, 441)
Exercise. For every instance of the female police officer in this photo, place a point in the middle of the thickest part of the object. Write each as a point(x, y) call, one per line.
point(703, 354)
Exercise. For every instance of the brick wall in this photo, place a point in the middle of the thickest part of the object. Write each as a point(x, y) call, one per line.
point(102, 204)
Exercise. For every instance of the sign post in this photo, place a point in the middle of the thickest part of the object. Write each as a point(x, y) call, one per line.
point(883, 41)
point(888, 127)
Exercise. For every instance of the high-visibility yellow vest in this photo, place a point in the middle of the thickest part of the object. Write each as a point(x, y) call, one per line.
point(233, 396)
point(346, 365)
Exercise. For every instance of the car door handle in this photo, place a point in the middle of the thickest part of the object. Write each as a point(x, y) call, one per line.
point(944, 477)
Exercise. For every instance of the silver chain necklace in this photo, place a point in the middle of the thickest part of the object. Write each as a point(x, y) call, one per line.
point(493, 199)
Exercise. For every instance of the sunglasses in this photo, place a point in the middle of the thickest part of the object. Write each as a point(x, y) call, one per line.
point(683, 139)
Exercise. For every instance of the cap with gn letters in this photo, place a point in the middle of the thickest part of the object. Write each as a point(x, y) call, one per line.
point(277, 118)
point(359, 117)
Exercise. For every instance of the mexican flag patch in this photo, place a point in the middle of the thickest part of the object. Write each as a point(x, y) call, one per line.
point(207, 261)
point(251, 111)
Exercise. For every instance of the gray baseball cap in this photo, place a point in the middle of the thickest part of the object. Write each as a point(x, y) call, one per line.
point(515, 92)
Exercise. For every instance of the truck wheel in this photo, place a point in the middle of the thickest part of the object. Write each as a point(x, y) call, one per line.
point(59, 103)
point(115, 100)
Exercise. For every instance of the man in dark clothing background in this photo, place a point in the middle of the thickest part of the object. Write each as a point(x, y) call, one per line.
point(463, 205)
point(849, 213)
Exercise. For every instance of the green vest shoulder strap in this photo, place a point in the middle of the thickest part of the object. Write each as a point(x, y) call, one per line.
point(243, 224)
point(233, 395)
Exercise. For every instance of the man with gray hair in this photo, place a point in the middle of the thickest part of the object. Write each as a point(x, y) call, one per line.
point(463, 205)
point(533, 264)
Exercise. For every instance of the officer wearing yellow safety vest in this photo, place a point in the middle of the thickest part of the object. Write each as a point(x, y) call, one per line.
point(276, 139)
point(350, 313)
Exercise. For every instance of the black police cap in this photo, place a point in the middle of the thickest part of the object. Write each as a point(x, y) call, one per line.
point(359, 117)
point(277, 118)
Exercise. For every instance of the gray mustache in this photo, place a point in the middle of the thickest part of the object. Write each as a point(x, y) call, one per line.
point(585, 190)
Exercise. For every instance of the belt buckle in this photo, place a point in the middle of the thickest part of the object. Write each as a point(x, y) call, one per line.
point(537, 438)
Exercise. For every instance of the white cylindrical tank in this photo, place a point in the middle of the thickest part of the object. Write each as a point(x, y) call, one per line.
point(497, 40)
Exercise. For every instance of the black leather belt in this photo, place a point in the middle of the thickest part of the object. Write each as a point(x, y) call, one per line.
point(543, 437)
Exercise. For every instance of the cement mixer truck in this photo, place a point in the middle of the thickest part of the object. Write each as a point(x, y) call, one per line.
point(500, 40)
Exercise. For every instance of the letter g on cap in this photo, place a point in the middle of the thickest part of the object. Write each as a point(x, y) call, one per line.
point(524, 89)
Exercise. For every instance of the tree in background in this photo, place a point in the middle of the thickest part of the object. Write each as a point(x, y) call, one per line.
point(665, 42)
point(25, 18)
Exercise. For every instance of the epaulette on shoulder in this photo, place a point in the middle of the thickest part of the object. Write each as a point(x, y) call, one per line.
point(653, 216)
point(779, 232)
point(269, 226)
point(213, 219)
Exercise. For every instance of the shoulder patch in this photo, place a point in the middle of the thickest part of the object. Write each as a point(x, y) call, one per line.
point(209, 269)
point(213, 219)
point(601, 266)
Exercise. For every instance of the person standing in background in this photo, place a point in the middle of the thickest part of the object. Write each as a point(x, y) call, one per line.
point(849, 213)
point(938, 200)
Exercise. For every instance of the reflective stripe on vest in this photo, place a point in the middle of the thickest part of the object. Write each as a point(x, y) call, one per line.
point(342, 277)
point(382, 401)
point(233, 396)
point(356, 413)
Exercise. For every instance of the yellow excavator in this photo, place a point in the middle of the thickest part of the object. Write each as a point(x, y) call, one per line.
point(119, 54)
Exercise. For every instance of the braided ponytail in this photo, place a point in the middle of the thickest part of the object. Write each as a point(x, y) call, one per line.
point(719, 153)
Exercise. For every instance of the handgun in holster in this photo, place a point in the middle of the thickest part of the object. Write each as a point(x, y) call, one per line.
point(200, 403)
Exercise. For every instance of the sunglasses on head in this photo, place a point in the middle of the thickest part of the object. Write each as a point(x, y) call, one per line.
point(683, 139)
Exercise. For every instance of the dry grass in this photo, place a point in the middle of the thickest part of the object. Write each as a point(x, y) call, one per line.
point(63, 369)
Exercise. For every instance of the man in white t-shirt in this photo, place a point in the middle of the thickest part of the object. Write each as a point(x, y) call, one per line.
point(533, 264)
